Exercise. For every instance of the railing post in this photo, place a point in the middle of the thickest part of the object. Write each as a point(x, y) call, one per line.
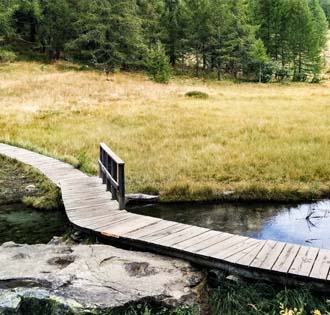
point(113, 171)
point(102, 161)
point(100, 166)
point(121, 182)
point(107, 166)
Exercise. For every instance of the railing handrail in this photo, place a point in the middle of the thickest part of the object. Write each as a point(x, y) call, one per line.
point(112, 172)
point(112, 154)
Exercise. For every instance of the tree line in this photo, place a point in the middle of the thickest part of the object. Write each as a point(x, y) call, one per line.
point(253, 39)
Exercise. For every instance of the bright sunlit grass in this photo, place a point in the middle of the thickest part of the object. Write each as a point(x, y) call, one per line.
point(245, 141)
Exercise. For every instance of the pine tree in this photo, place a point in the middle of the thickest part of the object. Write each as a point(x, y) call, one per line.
point(25, 20)
point(150, 12)
point(173, 21)
point(258, 58)
point(219, 36)
point(6, 12)
point(199, 14)
point(242, 37)
point(325, 4)
point(299, 27)
point(158, 66)
point(55, 27)
point(269, 16)
point(319, 37)
point(108, 34)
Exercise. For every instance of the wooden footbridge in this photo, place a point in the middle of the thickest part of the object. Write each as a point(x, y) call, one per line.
point(95, 205)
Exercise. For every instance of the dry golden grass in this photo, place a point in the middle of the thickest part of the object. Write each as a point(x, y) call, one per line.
point(246, 141)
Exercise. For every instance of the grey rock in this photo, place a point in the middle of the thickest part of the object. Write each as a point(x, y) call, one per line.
point(84, 278)
point(142, 198)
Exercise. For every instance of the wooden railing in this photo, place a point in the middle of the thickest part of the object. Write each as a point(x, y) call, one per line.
point(112, 172)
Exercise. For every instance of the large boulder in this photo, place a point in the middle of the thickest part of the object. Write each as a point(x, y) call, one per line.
point(84, 278)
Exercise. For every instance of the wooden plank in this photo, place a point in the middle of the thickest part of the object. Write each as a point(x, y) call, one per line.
point(161, 225)
point(95, 209)
point(179, 236)
point(87, 205)
point(232, 250)
point(96, 204)
point(126, 218)
point(92, 216)
point(77, 216)
point(217, 248)
point(246, 256)
point(268, 255)
point(101, 226)
point(86, 190)
point(212, 240)
point(286, 258)
point(133, 225)
point(196, 239)
point(87, 197)
point(164, 232)
point(96, 221)
point(304, 261)
point(321, 266)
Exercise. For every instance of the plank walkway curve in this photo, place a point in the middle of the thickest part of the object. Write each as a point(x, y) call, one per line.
point(89, 207)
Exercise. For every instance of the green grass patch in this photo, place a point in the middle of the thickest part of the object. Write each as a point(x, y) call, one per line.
point(197, 94)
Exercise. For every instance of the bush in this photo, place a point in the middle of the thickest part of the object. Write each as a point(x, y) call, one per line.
point(197, 94)
point(158, 66)
point(282, 74)
point(7, 56)
point(300, 77)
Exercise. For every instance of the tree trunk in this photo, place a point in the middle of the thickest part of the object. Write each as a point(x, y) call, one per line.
point(219, 71)
point(197, 63)
point(204, 58)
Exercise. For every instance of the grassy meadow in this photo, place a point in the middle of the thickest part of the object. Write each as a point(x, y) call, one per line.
point(246, 141)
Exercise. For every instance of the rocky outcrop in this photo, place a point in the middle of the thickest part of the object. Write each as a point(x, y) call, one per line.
point(84, 278)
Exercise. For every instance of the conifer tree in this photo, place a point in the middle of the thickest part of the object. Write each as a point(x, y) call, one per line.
point(299, 27)
point(319, 37)
point(108, 34)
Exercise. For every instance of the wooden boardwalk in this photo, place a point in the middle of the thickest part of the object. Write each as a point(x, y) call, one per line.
point(89, 206)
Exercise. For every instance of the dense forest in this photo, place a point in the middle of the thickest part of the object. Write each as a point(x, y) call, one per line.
point(257, 40)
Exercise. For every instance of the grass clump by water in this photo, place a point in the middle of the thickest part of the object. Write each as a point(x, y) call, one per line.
point(21, 183)
point(260, 298)
point(245, 142)
point(197, 94)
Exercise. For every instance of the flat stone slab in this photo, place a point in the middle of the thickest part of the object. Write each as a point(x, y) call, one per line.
point(89, 277)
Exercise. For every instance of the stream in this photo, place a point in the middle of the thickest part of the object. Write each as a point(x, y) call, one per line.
point(304, 224)
point(24, 225)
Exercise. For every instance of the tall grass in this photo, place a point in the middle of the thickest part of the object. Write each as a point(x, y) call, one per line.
point(233, 298)
point(246, 141)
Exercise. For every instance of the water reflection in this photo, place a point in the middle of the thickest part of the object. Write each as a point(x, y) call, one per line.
point(306, 224)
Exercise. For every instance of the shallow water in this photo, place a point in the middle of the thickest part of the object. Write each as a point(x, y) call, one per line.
point(306, 224)
point(25, 225)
